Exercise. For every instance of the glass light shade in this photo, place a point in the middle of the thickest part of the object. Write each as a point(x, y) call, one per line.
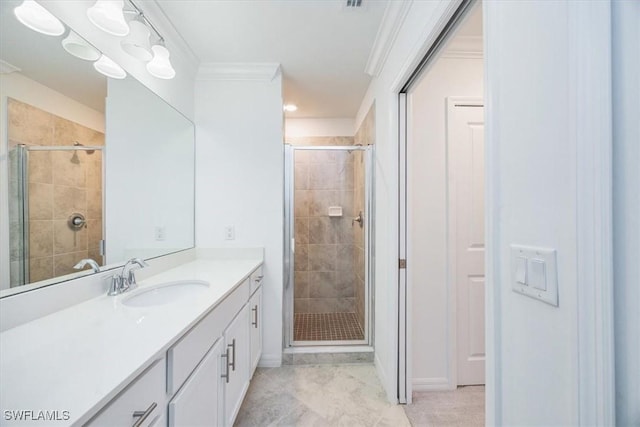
point(109, 17)
point(106, 66)
point(39, 19)
point(78, 47)
point(160, 66)
point(137, 43)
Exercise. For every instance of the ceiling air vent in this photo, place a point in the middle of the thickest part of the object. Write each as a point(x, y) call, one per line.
point(354, 3)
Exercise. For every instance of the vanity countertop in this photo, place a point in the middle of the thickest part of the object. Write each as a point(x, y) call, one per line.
point(79, 358)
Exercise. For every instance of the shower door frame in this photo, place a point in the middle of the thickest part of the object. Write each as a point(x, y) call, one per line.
point(23, 196)
point(289, 246)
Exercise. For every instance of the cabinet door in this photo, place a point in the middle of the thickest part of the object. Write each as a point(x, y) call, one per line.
point(237, 341)
point(197, 403)
point(256, 328)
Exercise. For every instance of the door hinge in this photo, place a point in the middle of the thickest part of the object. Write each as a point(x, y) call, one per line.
point(402, 263)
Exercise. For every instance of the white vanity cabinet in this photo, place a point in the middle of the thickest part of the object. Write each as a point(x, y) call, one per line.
point(237, 376)
point(198, 403)
point(205, 375)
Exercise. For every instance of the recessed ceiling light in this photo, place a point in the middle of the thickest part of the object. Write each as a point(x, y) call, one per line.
point(290, 107)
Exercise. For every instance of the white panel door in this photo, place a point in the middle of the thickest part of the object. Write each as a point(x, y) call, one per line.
point(465, 133)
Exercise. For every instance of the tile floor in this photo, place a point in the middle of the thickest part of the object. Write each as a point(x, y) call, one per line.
point(463, 407)
point(326, 327)
point(311, 395)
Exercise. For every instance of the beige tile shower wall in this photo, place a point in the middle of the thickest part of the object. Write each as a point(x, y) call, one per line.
point(60, 183)
point(364, 136)
point(324, 264)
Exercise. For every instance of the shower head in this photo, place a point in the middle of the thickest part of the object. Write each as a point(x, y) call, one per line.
point(77, 144)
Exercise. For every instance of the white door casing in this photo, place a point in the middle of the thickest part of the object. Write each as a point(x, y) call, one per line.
point(465, 158)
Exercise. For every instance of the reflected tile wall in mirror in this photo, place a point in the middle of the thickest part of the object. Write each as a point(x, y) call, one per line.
point(54, 185)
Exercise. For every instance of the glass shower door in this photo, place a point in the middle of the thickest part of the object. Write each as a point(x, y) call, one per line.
point(327, 268)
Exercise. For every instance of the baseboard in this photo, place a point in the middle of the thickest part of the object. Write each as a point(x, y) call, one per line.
point(270, 361)
point(431, 384)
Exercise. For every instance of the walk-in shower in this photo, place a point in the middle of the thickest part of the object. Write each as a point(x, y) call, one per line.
point(327, 245)
point(56, 209)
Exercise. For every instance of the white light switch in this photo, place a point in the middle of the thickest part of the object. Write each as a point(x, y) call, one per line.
point(521, 270)
point(538, 276)
point(534, 273)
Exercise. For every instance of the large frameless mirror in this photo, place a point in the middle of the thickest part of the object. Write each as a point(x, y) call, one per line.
point(81, 177)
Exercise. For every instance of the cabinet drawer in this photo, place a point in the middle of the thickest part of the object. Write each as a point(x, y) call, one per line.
point(256, 279)
point(138, 397)
point(185, 355)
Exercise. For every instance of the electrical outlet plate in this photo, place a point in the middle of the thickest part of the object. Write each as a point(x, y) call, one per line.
point(541, 274)
point(229, 232)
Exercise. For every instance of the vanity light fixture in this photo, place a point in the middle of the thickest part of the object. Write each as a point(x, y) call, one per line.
point(137, 42)
point(39, 19)
point(290, 108)
point(160, 65)
point(78, 47)
point(108, 15)
point(106, 66)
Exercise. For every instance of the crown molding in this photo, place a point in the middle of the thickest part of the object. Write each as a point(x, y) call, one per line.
point(154, 12)
point(394, 16)
point(469, 47)
point(238, 71)
point(6, 68)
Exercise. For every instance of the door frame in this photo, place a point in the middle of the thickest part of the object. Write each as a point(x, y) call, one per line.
point(452, 247)
point(591, 36)
point(290, 345)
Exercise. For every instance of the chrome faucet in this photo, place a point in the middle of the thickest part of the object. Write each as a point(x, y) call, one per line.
point(126, 280)
point(87, 261)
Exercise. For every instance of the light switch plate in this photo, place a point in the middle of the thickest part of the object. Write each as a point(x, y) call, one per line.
point(550, 271)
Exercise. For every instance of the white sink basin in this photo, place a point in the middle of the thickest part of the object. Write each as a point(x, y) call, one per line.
point(165, 293)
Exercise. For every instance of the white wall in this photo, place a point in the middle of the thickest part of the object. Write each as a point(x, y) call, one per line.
point(548, 135)
point(149, 177)
point(427, 214)
point(626, 208)
point(239, 181)
point(318, 127)
point(23, 89)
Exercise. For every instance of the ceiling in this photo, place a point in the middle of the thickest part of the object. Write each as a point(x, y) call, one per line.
point(42, 58)
point(322, 46)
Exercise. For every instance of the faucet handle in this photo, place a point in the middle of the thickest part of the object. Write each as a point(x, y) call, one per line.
point(116, 286)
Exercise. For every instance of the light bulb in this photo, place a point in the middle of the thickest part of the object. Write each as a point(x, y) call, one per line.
point(39, 19)
point(106, 66)
point(109, 17)
point(78, 47)
point(290, 108)
point(160, 66)
point(137, 43)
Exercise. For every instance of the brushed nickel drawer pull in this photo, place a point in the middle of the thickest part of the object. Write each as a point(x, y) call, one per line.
point(255, 316)
point(226, 365)
point(143, 415)
point(233, 357)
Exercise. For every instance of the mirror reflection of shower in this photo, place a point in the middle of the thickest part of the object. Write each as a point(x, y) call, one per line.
point(55, 197)
point(74, 158)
